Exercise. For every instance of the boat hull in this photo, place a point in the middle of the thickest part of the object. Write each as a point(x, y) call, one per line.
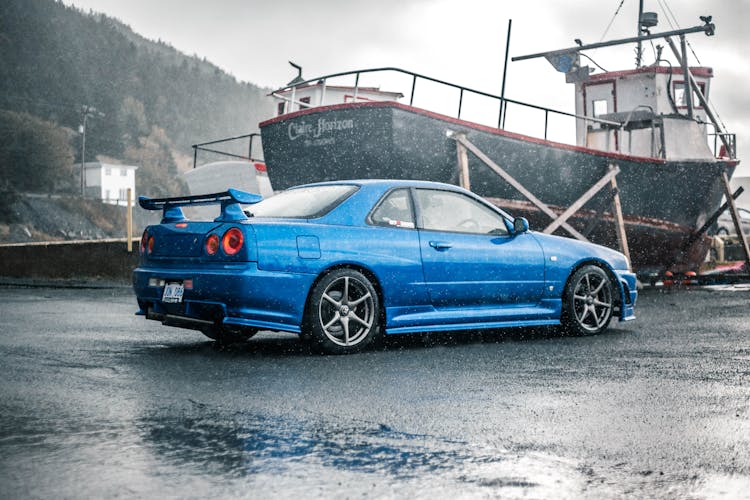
point(663, 201)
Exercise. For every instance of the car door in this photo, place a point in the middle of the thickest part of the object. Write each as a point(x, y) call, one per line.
point(469, 256)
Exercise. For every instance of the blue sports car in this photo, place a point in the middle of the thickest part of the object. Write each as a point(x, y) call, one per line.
point(343, 263)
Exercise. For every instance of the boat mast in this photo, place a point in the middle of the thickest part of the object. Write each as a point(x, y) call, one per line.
point(638, 33)
point(501, 118)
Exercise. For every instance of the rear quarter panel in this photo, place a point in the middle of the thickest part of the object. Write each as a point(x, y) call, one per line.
point(391, 255)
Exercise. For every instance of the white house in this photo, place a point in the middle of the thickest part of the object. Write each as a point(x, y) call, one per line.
point(110, 182)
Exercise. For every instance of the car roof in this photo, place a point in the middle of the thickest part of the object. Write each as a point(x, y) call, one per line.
point(388, 183)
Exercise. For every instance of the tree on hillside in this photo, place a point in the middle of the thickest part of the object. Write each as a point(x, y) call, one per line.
point(35, 155)
point(132, 119)
point(157, 173)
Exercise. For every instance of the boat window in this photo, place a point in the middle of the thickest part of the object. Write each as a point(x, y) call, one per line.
point(680, 99)
point(600, 107)
point(456, 212)
point(304, 202)
point(395, 210)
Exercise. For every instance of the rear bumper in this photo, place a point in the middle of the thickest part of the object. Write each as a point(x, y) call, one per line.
point(236, 295)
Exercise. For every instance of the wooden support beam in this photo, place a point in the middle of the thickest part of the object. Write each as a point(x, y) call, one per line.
point(461, 139)
point(129, 223)
point(580, 202)
point(463, 164)
point(736, 217)
point(622, 238)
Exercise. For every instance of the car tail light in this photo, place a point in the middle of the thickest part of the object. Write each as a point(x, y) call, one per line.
point(150, 247)
point(232, 241)
point(144, 242)
point(212, 244)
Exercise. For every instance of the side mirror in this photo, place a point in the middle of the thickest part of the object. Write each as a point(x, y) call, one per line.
point(520, 225)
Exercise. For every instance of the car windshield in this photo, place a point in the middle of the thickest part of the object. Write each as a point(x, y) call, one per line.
point(303, 203)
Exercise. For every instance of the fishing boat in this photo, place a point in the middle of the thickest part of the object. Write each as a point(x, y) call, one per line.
point(645, 173)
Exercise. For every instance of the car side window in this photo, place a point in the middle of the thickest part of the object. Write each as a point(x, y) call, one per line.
point(395, 210)
point(456, 212)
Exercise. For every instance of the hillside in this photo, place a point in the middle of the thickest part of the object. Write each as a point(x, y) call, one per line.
point(152, 101)
point(56, 218)
point(151, 104)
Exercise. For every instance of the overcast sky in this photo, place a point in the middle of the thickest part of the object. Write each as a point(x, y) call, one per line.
point(461, 41)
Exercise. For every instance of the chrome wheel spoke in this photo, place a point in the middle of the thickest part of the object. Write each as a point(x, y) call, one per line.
point(597, 319)
point(336, 318)
point(345, 325)
point(345, 295)
point(331, 300)
point(357, 302)
point(360, 320)
point(585, 314)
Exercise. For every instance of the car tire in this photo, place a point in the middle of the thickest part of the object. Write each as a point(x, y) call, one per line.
point(343, 313)
point(588, 301)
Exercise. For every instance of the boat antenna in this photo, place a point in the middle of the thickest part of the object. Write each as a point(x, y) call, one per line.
point(612, 21)
point(638, 33)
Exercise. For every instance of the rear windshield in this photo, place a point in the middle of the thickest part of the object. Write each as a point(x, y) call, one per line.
point(303, 203)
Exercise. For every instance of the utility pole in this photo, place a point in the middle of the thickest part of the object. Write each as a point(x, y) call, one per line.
point(86, 111)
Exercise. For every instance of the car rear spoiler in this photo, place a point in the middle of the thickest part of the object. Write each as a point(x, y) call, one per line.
point(230, 201)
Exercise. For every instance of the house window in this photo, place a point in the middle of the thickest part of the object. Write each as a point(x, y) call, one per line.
point(124, 194)
point(123, 172)
point(280, 108)
point(107, 171)
point(306, 101)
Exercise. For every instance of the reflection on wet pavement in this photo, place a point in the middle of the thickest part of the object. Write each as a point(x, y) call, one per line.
point(261, 448)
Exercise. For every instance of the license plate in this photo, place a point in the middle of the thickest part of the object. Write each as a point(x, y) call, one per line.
point(173, 292)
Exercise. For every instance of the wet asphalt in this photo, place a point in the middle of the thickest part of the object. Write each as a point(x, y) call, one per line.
point(97, 403)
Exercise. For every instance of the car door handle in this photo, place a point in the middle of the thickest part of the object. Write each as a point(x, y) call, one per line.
point(440, 245)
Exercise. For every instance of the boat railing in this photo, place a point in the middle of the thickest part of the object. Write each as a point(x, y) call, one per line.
point(288, 94)
point(251, 139)
point(720, 142)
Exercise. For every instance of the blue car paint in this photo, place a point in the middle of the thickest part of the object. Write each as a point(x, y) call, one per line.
point(267, 284)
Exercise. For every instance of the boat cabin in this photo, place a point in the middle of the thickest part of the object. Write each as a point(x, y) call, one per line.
point(319, 94)
point(646, 113)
